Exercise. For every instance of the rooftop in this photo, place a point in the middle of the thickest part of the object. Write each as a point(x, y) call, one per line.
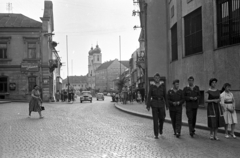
point(18, 21)
point(75, 79)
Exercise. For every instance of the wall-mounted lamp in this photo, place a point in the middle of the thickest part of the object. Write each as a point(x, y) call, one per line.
point(48, 34)
point(134, 13)
point(135, 27)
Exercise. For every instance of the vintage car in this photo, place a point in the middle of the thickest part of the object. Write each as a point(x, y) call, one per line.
point(86, 96)
point(100, 96)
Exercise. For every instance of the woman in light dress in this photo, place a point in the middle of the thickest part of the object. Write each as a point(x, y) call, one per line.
point(228, 104)
point(35, 102)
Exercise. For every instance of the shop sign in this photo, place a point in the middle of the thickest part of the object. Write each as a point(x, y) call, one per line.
point(12, 86)
point(28, 66)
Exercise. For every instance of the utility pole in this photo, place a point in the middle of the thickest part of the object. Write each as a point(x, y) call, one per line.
point(67, 61)
point(72, 67)
point(120, 58)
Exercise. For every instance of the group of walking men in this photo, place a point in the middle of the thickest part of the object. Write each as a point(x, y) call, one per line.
point(158, 100)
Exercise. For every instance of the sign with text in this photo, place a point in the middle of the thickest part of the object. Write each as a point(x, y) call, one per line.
point(29, 66)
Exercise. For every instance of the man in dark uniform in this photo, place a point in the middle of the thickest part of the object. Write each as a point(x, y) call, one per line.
point(192, 96)
point(157, 101)
point(175, 101)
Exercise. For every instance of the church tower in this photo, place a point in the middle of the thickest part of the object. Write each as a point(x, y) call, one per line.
point(94, 61)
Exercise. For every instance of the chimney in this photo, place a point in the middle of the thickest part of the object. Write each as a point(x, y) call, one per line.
point(47, 19)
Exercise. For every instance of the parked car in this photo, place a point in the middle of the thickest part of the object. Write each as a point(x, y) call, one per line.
point(100, 96)
point(86, 96)
point(105, 93)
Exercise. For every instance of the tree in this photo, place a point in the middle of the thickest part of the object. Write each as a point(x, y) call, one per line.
point(120, 83)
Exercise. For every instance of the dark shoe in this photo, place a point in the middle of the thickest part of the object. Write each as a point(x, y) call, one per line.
point(194, 131)
point(156, 137)
point(160, 132)
point(191, 134)
point(178, 135)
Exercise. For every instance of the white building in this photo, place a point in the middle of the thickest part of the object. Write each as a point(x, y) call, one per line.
point(94, 61)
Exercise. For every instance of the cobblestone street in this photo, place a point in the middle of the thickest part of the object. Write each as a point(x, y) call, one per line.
point(98, 130)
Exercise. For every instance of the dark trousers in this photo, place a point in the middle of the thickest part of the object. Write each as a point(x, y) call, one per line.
point(158, 119)
point(192, 118)
point(176, 118)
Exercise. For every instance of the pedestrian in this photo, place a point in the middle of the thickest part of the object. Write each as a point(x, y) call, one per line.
point(192, 96)
point(62, 95)
point(157, 101)
point(35, 102)
point(65, 95)
point(175, 101)
point(139, 97)
point(228, 104)
point(214, 109)
point(57, 95)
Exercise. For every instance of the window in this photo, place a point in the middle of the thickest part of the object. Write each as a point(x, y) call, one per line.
point(3, 84)
point(31, 83)
point(3, 50)
point(174, 42)
point(172, 11)
point(228, 22)
point(193, 32)
point(98, 58)
point(32, 50)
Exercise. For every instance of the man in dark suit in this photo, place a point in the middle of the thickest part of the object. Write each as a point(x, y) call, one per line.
point(157, 101)
point(175, 101)
point(192, 96)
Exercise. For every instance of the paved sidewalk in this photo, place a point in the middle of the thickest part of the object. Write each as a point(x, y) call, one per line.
point(140, 110)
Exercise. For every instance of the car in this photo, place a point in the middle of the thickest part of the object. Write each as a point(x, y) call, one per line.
point(86, 96)
point(100, 96)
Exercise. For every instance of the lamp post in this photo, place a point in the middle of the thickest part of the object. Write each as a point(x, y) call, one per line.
point(67, 63)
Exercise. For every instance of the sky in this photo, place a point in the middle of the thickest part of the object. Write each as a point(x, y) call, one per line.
point(86, 23)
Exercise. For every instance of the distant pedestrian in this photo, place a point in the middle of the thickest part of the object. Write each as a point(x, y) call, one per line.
point(192, 96)
point(175, 101)
point(228, 104)
point(35, 102)
point(139, 97)
point(214, 109)
point(57, 96)
point(65, 95)
point(157, 101)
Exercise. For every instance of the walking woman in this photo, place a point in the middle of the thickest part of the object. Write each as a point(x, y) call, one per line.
point(214, 109)
point(35, 102)
point(228, 104)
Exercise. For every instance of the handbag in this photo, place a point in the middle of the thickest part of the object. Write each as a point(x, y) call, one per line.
point(42, 108)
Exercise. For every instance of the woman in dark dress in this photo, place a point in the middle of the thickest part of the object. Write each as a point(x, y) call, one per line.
point(35, 102)
point(214, 109)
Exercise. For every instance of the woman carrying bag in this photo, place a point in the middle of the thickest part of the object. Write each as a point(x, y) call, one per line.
point(35, 103)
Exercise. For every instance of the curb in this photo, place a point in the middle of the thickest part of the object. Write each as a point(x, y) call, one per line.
point(4, 102)
point(167, 120)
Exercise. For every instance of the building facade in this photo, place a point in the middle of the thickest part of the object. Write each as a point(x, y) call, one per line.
point(135, 70)
point(204, 39)
point(28, 56)
point(192, 38)
point(153, 40)
point(94, 61)
point(76, 82)
point(107, 73)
